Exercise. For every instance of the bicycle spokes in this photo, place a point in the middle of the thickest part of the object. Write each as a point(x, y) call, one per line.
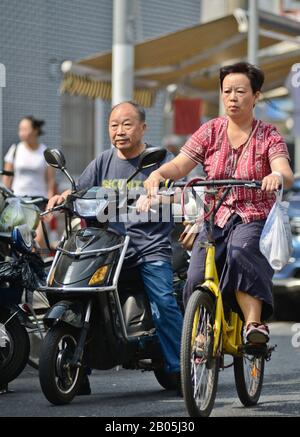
point(252, 370)
point(201, 356)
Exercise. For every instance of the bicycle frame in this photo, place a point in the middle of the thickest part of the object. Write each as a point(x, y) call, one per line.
point(227, 335)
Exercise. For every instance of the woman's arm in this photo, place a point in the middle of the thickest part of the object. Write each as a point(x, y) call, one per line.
point(282, 165)
point(176, 169)
point(273, 180)
point(50, 180)
point(8, 180)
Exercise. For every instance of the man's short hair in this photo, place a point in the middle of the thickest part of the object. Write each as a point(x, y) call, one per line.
point(139, 109)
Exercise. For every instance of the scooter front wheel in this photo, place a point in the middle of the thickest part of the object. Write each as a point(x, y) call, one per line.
point(167, 380)
point(60, 381)
point(14, 347)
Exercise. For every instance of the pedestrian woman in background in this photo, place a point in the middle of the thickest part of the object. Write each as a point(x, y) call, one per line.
point(32, 177)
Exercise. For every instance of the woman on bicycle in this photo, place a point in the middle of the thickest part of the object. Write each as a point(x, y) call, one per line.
point(241, 147)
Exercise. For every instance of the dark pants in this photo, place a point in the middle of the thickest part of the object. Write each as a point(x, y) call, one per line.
point(240, 264)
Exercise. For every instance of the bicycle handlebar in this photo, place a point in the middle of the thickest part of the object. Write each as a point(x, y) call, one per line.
point(6, 173)
point(213, 183)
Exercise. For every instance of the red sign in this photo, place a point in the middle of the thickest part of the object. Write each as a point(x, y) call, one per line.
point(187, 116)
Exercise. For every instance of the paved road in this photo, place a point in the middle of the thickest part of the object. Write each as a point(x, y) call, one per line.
point(132, 393)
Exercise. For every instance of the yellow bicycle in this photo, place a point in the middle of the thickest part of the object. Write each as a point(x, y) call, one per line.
point(208, 334)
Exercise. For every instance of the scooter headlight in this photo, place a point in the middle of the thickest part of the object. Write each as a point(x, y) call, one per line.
point(90, 207)
point(99, 276)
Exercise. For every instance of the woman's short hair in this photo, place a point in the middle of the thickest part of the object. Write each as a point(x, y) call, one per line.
point(254, 74)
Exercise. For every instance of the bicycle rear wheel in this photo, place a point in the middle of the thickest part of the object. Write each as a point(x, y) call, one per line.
point(199, 369)
point(249, 375)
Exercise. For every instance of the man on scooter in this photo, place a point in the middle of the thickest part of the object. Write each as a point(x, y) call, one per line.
point(149, 248)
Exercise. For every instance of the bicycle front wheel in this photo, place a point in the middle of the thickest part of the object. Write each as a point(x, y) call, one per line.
point(199, 369)
point(249, 375)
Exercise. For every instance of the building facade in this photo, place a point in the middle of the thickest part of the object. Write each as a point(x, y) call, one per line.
point(38, 35)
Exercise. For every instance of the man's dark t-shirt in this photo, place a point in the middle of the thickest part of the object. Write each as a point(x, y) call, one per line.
point(149, 241)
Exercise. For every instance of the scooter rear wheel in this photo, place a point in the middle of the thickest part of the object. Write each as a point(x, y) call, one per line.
point(59, 381)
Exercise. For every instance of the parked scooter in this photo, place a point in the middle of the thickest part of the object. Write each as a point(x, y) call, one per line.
point(101, 318)
point(21, 271)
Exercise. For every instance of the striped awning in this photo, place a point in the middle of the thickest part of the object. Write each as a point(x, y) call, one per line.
point(190, 58)
point(77, 85)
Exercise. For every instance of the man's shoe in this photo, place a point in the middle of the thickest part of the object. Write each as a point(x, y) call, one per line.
point(179, 388)
point(4, 389)
point(85, 388)
point(176, 382)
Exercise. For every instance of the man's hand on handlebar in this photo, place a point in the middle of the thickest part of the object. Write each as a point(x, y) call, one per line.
point(58, 199)
point(144, 203)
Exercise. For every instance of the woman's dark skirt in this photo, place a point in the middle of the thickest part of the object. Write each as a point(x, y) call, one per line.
point(240, 264)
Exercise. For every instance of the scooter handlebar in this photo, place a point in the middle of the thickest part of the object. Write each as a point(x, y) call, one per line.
point(55, 208)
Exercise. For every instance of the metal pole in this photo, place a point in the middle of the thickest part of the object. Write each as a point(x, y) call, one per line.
point(2, 85)
point(123, 51)
point(100, 128)
point(253, 32)
point(1, 131)
point(297, 154)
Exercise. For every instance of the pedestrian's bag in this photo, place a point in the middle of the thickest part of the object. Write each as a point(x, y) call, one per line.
point(276, 237)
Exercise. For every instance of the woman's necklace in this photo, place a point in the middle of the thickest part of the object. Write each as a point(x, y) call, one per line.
point(243, 143)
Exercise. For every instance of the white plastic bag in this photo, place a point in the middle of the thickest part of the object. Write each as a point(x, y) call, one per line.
point(17, 213)
point(12, 215)
point(276, 237)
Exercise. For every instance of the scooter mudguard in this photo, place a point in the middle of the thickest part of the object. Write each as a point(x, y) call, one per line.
point(71, 313)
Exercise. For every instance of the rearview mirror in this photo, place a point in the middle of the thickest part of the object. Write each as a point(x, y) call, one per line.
point(151, 156)
point(55, 158)
point(148, 158)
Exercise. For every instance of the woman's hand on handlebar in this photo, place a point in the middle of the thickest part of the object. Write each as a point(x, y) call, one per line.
point(272, 182)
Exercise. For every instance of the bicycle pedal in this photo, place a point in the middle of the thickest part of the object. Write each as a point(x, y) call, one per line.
point(270, 350)
point(257, 350)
